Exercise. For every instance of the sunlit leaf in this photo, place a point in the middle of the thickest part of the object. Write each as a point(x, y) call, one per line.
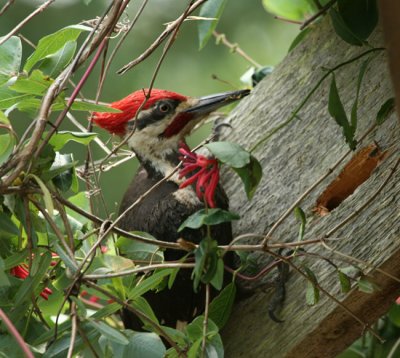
point(7, 143)
point(212, 10)
point(9, 98)
point(292, 10)
point(51, 44)
point(48, 201)
point(142, 251)
point(53, 64)
point(312, 291)
point(149, 283)
point(366, 285)
point(59, 139)
point(10, 58)
point(35, 84)
point(89, 106)
point(300, 216)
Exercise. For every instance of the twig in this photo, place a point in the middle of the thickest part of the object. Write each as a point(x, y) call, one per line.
point(6, 6)
point(120, 42)
point(117, 230)
point(136, 312)
point(331, 297)
point(234, 48)
point(25, 21)
point(14, 332)
point(309, 95)
point(352, 259)
point(139, 269)
point(322, 10)
point(205, 321)
point(74, 325)
point(160, 39)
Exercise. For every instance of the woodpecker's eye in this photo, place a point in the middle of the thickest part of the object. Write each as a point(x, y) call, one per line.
point(164, 107)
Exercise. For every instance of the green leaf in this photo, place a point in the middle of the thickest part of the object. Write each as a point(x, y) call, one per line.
point(31, 283)
point(51, 44)
point(61, 171)
point(111, 333)
point(394, 314)
point(292, 10)
point(65, 258)
point(221, 307)
point(212, 10)
point(299, 38)
point(354, 109)
point(385, 111)
point(14, 259)
point(366, 285)
point(89, 106)
point(107, 310)
point(141, 304)
point(336, 110)
point(35, 84)
point(206, 262)
point(360, 16)
point(48, 201)
point(10, 57)
point(8, 98)
point(149, 283)
point(342, 30)
point(141, 345)
point(7, 143)
point(344, 280)
point(251, 175)
point(229, 153)
point(53, 64)
point(59, 139)
point(301, 216)
point(7, 227)
point(218, 279)
point(312, 292)
point(208, 217)
point(140, 251)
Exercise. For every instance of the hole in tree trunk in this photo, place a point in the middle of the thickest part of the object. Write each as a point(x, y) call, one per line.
point(356, 172)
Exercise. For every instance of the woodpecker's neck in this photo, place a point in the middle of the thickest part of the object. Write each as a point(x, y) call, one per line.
point(159, 165)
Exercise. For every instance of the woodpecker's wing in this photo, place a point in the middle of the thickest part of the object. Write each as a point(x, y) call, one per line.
point(160, 214)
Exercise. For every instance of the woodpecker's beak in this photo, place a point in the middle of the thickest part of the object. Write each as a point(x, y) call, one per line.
point(207, 104)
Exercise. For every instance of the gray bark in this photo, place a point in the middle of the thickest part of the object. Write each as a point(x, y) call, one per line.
point(292, 160)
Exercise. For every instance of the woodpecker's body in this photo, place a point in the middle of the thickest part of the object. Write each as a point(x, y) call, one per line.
point(165, 120)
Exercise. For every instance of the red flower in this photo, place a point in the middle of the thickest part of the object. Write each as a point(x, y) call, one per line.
point(206, 173)
point(21, 271)
point(398, 301)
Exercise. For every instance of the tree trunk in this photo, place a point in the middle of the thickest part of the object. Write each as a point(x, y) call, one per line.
point(293, 159)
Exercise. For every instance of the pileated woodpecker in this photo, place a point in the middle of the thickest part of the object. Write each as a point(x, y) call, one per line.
point(162, 124)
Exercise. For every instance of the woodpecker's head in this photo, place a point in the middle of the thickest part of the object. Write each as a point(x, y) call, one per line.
point(164, 120)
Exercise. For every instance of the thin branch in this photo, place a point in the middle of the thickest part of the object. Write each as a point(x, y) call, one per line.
point(309, 95)
point(221, 38)
point(14, 332)
point(322, 10)
point(6, 6)
point(136, 312)
point(138, 269)
point(205, 321)
point(330, 296)
point(170, 28)
point(26, 20)
point(74, 325)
